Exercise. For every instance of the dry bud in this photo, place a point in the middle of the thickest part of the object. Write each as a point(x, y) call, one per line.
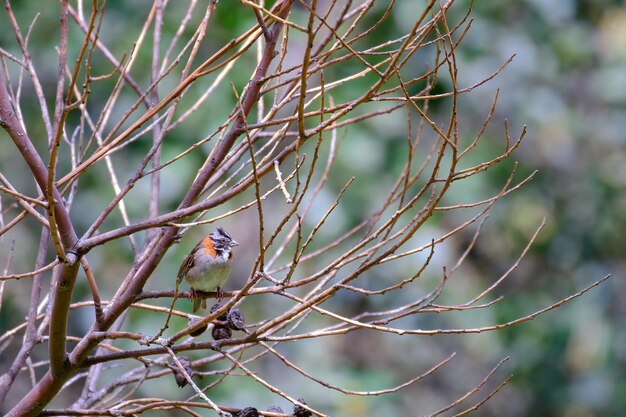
point(301, 412)
point(216, 307)
point(221, 332)
point(199, 331)
point(181, 381)
point(246, 412)
point(236, 319)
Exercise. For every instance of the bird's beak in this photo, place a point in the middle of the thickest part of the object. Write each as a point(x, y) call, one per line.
point(233, 243)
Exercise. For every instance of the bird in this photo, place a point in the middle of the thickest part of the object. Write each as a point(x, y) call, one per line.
point(208, 265)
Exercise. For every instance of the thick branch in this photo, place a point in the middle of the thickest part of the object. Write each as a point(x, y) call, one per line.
point(10, 123)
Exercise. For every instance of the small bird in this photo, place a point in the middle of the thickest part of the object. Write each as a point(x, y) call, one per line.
point(208, 266)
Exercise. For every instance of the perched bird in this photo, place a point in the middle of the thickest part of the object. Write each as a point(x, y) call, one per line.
point(208, 266)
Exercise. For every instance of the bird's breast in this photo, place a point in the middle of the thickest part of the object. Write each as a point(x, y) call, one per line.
point(208, 272)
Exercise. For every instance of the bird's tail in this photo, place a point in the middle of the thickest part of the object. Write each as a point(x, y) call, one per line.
point(197, 303)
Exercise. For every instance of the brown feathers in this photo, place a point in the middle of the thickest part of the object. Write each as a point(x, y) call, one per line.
point(188, 262)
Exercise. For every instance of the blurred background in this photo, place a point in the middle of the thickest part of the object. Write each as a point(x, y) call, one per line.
point(567, 84)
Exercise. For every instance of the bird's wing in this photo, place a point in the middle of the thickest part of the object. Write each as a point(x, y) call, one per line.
point(188, 262)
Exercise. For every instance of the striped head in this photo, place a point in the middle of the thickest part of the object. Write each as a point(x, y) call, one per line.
point(222, 242)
